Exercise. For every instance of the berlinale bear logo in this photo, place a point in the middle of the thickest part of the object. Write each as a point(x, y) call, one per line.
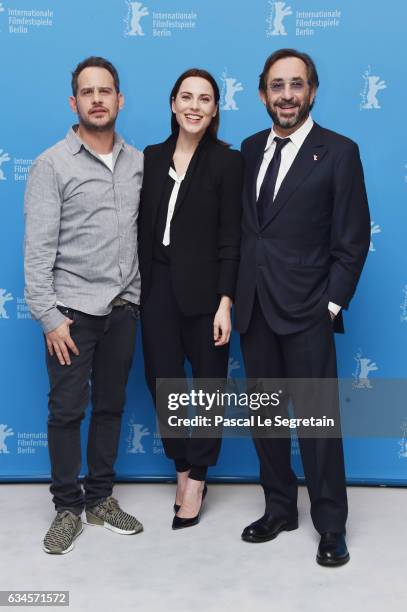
point(403, 306)
point(4, 297)
point(4, 157)
point(137, 432)
point(279, 11)
point(403, 442)
point(136, 11)
point(363, 368)
point(372, 86)
point(5, 432)
point(374, 229)
point(229, 88)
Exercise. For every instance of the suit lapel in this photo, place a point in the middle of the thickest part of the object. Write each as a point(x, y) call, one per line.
point(308, 157)
point(197, 157)
point(255, 161)
point(160, 173)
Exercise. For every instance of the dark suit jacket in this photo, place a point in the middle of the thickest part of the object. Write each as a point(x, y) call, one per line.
point(315, 237)
point(205, 227)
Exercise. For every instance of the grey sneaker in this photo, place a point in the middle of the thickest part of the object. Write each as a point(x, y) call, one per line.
point(64, 529)
point(109, 514)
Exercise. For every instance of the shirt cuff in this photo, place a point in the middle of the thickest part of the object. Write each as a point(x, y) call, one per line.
point(334, 308)
point(51, 320)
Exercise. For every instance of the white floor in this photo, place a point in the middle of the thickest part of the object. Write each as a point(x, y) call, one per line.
point(208, 567)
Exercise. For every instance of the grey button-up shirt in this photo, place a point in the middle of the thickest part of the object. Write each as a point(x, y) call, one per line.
point(80, 245)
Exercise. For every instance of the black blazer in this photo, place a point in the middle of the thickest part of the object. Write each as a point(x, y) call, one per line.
point(205, 227)
point(314, 239)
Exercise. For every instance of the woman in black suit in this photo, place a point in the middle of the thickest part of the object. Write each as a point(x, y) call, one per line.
point(189, 235)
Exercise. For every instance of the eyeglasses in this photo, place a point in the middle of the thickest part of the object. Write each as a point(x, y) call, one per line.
point(279, 86)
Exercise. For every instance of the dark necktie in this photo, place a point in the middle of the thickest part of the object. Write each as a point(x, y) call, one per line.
point(269, 182)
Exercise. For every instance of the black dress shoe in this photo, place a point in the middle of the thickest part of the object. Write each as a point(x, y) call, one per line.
point(332, 550)
point(268, 528)
point(178, 506)
point(179, 523)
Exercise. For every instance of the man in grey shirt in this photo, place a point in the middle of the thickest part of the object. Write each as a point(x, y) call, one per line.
point(83, 286)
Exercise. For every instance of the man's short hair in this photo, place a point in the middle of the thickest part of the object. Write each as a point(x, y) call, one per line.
point(312, 74)
point(97, 62)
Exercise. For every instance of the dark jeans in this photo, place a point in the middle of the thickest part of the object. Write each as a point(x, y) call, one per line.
point(106, 345)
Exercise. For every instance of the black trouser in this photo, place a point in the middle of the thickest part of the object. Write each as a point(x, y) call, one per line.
point(305, 355)
point(106, 345)
point(168, 338)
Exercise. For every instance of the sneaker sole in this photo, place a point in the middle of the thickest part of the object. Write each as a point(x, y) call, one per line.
point(63, 552)
point(95, 521)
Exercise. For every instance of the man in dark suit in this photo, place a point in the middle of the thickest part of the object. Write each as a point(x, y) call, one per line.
point(305, 237)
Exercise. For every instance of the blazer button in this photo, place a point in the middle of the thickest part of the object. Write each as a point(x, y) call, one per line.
point(259, 237)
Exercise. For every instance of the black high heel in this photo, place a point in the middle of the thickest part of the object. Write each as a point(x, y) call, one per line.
point(178, 506)
point(179, 522)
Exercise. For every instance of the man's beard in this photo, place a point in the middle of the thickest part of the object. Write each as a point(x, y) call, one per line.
point(93, 127)
point(302, 113)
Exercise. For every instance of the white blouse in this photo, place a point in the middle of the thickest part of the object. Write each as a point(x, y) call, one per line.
point(171, 204)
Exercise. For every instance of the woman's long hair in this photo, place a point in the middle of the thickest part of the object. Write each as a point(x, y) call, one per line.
point(213, 127)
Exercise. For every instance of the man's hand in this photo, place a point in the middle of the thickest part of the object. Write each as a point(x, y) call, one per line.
point(222, 324)
point(59, 341)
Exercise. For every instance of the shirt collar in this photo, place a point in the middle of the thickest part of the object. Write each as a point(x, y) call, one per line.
point(297, 137)
point(75, 143)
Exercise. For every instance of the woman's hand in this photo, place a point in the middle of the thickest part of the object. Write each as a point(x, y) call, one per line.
point(222, 323)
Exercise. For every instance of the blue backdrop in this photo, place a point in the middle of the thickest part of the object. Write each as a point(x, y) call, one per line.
point(358, 48)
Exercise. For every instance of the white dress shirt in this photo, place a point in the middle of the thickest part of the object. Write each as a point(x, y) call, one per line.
point(288, 154)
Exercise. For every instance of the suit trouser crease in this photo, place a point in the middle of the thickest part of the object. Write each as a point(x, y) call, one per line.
point(303, 355)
